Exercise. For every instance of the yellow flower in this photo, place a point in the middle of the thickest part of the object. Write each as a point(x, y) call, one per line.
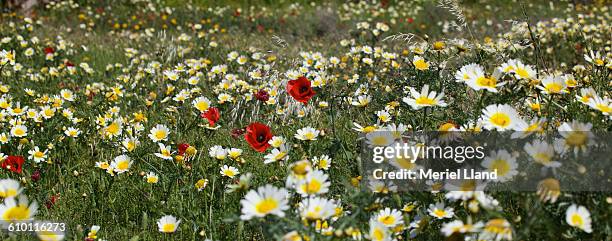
point(201, 184)
point(420, 63)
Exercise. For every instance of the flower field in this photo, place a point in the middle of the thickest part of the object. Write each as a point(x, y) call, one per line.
point(244, 120)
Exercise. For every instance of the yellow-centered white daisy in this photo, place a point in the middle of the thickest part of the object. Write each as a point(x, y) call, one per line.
point(159, 133)
point(389, 217)
point(307, 134)
point(542, 152)
point(378, 231)
point(503, 163)
point(315, 183)
point(499, 117)
point(20, 209)
point(317, 208)
point(168, 224)
point(121, 164)
point(9, 188)
point(439, 211)
point(579, 217)
point(266, 200)
point(164, 152)
point(425, 98)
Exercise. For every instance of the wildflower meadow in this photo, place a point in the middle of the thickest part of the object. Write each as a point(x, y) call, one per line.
point(267, 120)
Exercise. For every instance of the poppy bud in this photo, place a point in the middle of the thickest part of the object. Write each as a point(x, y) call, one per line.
point(35, 176)
point(52, 201)
point(262, 95)
point(49, 50)
point(237, 133)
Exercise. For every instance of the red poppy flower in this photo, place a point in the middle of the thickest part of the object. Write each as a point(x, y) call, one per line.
point(258, 135)
point(212, 115)
point(49, 50)
point(300, 89)
point(13, 163)
point(262, 95)
point(182, 148)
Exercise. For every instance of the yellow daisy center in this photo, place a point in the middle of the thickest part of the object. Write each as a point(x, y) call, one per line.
point(378, 234)
point(522, 73)
point(48, 112)
point(405, 163)
point(387, 220)
point(123, 165)
point(314, 214)
point(113, 128)
point(577, 220)
point(500, 119)
point(168, 228)
point(202, 106)
point(423, 100)
point(300, 169)
point(502, 166)
point(160, 134)
point(421, 64)
point(229, 173)
point(576, 139)
point(532, 128)
point(543, 158)
point(468, 185)
point(323, 164)
point(553, 87)
point(8, 193)
point(312, 187)
point(439, 212)
point(380, 141)
point(309, 136)
point(446, 127)
point(603, 108)
point(266, 205)
point(19, 132)
point(486, 82)
point(369, 129)
point(280, 155)
point(19, 212)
